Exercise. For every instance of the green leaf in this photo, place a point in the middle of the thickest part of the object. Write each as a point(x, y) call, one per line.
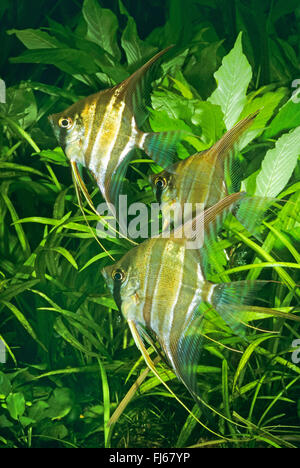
point(20, 106)
point(102, 26)
point(35, 38)
point(188, 427)
point(209, 118)
point(5, 386)
point(68, 60)
point(135, 49)
point(60, 403)
point(22, 319)
point(55, 156)
point(278, 165)
point(19, 230)
point(65, 253)
point(233, 78)
point(288, 117)
point(15, 404)
point(266, 103)
point(247, 354)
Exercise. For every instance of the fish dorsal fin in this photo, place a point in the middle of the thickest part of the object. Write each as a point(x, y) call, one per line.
point(207, 223)
point(209, 175)
point(201, 231)
point(136, 88)
point(223, 148)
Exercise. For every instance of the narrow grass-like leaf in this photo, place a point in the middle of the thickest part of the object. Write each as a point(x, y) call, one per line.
point(65, 253)
point(23, 321)
point(247, 354)
point(188, 427)
point(62, 330)
point(106, 403)
point(19, 230)
point(285, 242)
point(287, 117)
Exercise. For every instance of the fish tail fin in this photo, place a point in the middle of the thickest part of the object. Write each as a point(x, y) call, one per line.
point(161, 146)
point(233, 303)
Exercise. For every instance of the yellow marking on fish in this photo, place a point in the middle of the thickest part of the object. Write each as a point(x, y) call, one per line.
point(88, 116)
point(106, 138)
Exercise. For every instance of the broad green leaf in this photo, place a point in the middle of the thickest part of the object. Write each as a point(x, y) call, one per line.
point(209, 118)
point(134, 48)
point(102, 26)
point(183, 87)
point(233, 78)
point(266, 103)
point(287, 117)
point(55, 156)
point(20, 106)
point(60, 403)
point(278, 165)
point(69, 60)
point(177, 106)
point(36, 39)
point(15, 404)
point(62, 330)
point(5, 385)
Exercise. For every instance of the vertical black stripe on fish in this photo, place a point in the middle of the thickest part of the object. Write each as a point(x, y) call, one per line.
point(117, 294)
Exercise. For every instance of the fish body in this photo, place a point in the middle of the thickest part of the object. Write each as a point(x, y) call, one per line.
point(100, 131)
point(200, 178)
point(159, 285)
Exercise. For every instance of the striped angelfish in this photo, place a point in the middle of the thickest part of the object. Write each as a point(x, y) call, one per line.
point(158, 286)
point(200, 178)
point(100, 131)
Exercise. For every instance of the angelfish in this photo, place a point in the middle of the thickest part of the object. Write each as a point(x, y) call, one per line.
point(100, 131)
point(159, 284)
point(200, 178)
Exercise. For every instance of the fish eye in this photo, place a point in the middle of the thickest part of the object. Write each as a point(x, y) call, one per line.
point(118, 275)
point(160, 183)
point(65, 122)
